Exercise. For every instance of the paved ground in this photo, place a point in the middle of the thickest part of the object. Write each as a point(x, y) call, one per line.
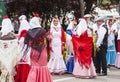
point(113, 76)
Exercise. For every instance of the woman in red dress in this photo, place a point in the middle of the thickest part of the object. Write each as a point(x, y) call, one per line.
point(23, 66)
point(82, 45)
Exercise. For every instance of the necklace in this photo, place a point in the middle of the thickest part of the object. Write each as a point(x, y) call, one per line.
point(56, 29)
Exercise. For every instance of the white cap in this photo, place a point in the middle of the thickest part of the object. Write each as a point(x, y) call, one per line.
point(88, 15)
point(100, 18)
point(22, 17)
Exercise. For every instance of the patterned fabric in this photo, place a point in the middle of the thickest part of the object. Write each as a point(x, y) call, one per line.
point(8, 59)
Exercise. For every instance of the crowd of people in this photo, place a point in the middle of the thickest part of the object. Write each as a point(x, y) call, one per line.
point(92, 46)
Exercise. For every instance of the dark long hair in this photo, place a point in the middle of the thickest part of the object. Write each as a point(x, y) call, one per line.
point(33, 40)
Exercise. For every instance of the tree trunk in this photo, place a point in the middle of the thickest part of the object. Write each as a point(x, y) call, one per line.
point(118, 7)
point(82, 7)
point(88, 6)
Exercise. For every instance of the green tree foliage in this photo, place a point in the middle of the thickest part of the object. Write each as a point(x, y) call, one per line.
point(106, 2)
point(46, 8)
point(2, 10)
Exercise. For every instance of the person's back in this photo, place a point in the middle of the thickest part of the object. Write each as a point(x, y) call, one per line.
point(8, 59)
point(8, 45)
point(34, 38)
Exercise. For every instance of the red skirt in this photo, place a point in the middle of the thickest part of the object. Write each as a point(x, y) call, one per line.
point(22, 72)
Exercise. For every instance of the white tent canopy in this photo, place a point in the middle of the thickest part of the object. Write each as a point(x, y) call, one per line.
point(113, 12)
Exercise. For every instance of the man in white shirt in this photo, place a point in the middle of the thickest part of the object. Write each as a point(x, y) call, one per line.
point(101, 46)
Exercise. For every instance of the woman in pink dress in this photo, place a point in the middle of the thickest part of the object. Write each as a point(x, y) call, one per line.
point(39, 71)
point(82, 45)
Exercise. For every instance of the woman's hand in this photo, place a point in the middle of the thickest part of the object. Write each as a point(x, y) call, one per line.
point(98, 49)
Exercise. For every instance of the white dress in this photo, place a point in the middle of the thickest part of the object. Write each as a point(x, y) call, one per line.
point(56, 63)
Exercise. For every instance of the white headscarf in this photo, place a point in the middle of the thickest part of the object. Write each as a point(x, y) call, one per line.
point(22, 17)
point(88, 15)
point(6, 26)
point(24, 25)
point(81, 27)
point(34, 22)
point(52, 24)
